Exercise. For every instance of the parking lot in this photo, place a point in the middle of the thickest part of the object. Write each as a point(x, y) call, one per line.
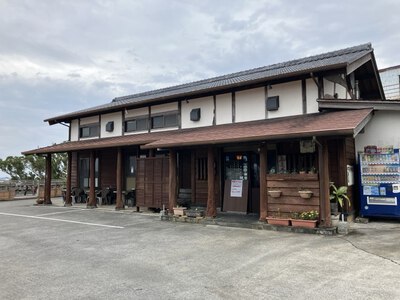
point(53, 252)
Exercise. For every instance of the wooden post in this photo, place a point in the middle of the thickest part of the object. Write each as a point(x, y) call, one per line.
point(92, 181)
point(172, 181)
point(211, 206)
point(68, 200)
point(47, 183)
point(193, 174)
point(325, 209)
point(119, 203)
point(263, 183)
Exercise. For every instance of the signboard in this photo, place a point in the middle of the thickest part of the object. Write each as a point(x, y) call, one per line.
point(236, 188)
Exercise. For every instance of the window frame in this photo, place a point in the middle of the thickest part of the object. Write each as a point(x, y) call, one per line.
point(93, 130)
point(136, 120)
point(164, 117)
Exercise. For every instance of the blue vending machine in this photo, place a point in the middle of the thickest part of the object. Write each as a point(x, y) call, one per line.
point(379, 182)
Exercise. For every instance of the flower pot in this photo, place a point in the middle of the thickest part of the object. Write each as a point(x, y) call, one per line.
point(304, 223)
point(275, 194)
point(179, 211)
point(305, 194)
point(278, 221)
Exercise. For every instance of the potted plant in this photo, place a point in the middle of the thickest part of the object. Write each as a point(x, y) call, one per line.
point(275, 193)
point(339, 196)
point(305, 194)
point(306, 219)
point(277, 219)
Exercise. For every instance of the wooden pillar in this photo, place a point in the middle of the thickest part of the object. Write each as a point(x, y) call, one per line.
point(92, 181)
point(119, 202)
point(211, 205)
point(68, 200)
point(193, 175)
point(172, 181)
point(325, 209)
point(263, 183)
point(47, 183)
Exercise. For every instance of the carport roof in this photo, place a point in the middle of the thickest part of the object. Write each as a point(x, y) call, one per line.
point(348, 122)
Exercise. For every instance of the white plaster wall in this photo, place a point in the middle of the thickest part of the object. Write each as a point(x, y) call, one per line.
point(89, 120)
point(131, 113)
point(250, 105)
point(117, 118)
point(290, 99)
point(382, 130)
point(223, 109)
point(342, 92)
point(312, 96)
point(74, 130)
point(164, 108)
point(331, 88)
point(206, 106)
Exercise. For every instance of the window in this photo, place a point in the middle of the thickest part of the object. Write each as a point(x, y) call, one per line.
point(167, 120)
point(201, 168)
point(139, 124)
point(89, 131)
point(84, 172)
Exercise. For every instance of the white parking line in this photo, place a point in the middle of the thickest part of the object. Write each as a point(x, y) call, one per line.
point(61, 220)
point(59, 212)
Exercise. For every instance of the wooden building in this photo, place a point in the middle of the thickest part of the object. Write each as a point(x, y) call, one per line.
point(226, 141)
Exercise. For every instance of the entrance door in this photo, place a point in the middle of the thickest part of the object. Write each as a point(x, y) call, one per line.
point(185, 173)
point(254, 203)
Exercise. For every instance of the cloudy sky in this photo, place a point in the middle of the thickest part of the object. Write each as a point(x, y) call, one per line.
point(60, 56)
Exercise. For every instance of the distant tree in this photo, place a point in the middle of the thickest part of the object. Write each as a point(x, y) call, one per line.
point(13, 166)
point(34, 166)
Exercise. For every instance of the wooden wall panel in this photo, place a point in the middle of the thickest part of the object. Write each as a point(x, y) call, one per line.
point(74, 170)
point(290, 200)
point(108, 168)
point(152, 182)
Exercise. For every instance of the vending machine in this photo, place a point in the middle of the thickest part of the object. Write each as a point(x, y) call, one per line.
point(379, 182)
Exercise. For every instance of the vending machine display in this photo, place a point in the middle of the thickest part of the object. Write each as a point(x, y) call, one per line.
point(380, 182)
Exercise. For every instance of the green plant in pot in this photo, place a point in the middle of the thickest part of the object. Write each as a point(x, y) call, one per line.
point(339, 195)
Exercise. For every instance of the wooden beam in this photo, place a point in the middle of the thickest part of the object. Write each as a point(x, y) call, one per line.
point(68, 200)
point(47, 184)
point(92, 181)
point(172, 183)
point(263, 183)
point(304, 95)
point(211, 205)
point(324, 184)
point(119, 202)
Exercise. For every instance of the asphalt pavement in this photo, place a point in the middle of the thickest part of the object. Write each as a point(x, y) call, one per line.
point(54, 252)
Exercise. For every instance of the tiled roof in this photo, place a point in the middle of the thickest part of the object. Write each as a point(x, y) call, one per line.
point(319, 124)
point(314, 63)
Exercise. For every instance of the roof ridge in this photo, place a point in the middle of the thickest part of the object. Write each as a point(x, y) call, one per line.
point(294, 62)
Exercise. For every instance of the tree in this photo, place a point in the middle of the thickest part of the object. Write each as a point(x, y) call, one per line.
point(34, 166)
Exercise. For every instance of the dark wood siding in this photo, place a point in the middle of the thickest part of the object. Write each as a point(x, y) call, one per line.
point(152, 182)
point(74, 170)
point(290, 200)
point(108, 167)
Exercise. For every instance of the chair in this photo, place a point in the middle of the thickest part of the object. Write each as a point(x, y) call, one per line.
point(104, 197)
point(130, 198)
point(79, 195)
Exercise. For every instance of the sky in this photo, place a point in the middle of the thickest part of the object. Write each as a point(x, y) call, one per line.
point(61, 56)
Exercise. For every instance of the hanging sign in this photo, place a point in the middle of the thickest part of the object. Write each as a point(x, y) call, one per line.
point(236, 188)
